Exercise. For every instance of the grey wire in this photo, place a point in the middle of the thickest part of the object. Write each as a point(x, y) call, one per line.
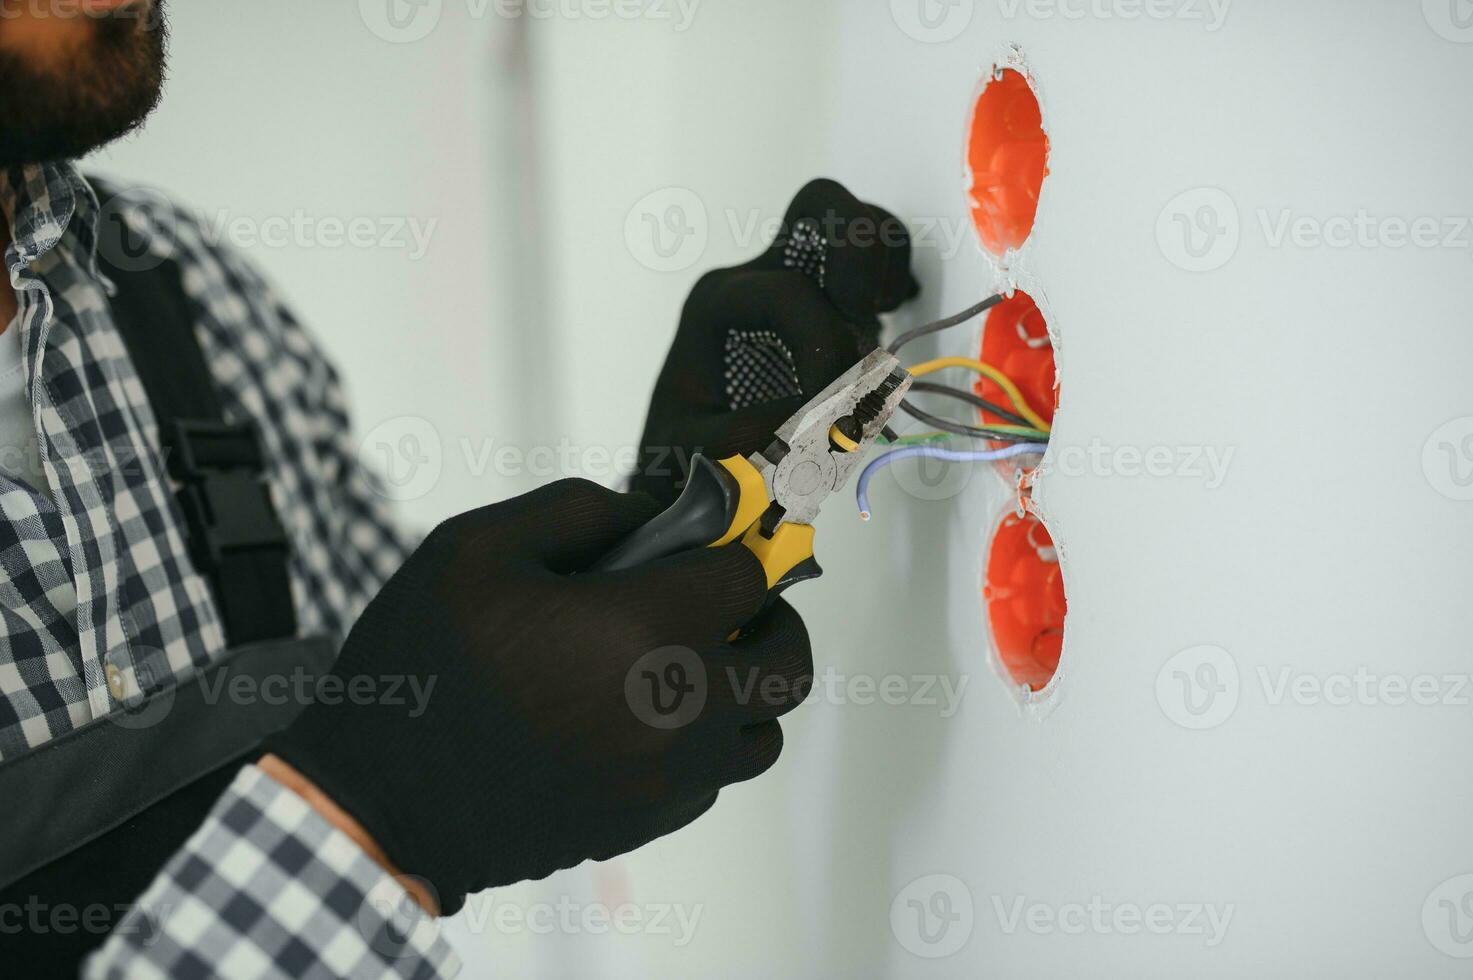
point(958, 429)
point(955, 428)
point(947, 323)
point(961, 394)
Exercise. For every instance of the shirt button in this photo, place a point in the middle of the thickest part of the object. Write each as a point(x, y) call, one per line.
point(115, 681)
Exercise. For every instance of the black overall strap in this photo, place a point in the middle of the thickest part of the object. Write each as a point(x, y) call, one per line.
point(82, 784)
point(92, 816)
point(235, 538)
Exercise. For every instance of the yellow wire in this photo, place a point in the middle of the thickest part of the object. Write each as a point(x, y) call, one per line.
point(988, 371)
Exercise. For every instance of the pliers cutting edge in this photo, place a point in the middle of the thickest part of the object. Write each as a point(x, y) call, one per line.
point(769, 500)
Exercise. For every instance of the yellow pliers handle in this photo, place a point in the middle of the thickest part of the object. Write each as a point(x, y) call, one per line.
point(723, 501)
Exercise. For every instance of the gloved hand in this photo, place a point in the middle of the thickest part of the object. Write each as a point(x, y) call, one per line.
point(572, 716)
point(758, 340)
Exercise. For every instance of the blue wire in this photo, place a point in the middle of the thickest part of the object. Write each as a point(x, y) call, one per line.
point(861, 492)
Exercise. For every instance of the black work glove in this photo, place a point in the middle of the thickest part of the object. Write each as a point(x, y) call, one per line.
point(758, 340)
point(572, 716)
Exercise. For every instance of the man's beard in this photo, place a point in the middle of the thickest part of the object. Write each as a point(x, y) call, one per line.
point(97, 91)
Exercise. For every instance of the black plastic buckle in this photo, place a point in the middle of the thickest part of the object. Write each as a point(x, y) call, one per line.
point(223, 492)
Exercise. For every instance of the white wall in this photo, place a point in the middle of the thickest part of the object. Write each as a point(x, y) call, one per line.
point(299, 112)
point(1326, 830)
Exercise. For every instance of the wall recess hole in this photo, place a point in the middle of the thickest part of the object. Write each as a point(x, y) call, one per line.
point(1023, 592)
point(1015, 340)
point(1007, 158)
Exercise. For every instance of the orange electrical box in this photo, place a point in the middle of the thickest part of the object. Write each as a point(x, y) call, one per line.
point(1024, 595)
point(1007, 156)
point(1015, 340)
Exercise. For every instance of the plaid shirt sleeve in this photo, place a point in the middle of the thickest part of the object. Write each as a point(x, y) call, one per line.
point(265, 887)
point(268, 888)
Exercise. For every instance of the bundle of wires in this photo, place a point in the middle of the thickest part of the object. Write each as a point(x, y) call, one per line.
point(1025, 431)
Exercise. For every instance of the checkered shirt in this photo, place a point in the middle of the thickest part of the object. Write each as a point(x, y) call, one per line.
point(100, 606)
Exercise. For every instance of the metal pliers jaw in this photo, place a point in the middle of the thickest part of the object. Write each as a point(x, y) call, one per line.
point(815, 450)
